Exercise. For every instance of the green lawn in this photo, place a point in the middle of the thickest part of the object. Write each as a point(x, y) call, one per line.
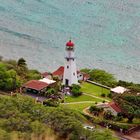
point(78, 107)
point(81, 98)
point(93, 89)
point(89, 89)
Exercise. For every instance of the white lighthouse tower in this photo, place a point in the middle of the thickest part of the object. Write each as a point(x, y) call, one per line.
point(70, 72)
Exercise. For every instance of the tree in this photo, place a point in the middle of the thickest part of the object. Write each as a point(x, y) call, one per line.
point(22, 67)
point(102, 77)
point(75, 90)
point(95, 110)
point(21, 62)
point(108, 115)
point(27, 118)
point(51, 102)
point(86, 70)
point(33, 74)
point(38, 128)
point(129, 104)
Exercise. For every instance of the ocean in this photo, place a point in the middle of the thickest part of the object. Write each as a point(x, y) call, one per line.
point(106, 34)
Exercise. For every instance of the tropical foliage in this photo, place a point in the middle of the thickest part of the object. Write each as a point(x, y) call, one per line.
point(24, 117)
point(95, 110)
point(130, 105)
point(101, 77)
point(75, 90)
point(14, 73)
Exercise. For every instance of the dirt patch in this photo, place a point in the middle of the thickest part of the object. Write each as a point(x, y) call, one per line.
point(135, 135)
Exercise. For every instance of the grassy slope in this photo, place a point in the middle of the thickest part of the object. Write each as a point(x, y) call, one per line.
point(78, 107)
point(93, 89)
point(81, 98)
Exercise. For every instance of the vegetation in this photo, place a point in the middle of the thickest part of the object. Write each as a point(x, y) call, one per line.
point(101, 77)
point(14, 73)
point(95, 110)
point(81, 98)
point(129, 104)
point(51, 102)
point(103, 95)
point(108, 115)
point(77, 106)
point(22, 116)
point(94, 89)
point(75, 90)
point(130, 85)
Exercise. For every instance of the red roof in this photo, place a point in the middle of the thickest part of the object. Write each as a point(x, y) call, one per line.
point(59, 71)
point(70, 44)
point(114, 106)
point(35, 84)
point(45, 74)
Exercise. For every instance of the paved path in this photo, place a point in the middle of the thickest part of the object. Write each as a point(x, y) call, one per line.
point(96, 97)
point(85, 111)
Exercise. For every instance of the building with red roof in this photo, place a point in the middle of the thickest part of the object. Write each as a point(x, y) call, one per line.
point(37, 86)
point(80, 75)
point(114, 108)
point(59, 72)
point(111, 106)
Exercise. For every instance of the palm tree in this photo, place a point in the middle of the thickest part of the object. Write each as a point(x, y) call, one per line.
point(21, 67)
point(21, 62)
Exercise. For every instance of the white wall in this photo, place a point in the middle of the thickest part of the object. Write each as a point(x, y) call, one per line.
point(70, 71)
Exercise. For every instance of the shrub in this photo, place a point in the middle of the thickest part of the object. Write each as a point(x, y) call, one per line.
point(109, 95)
point(108, 115)
point(75, 90)
point(103, 101)
point(118, 118)
point(103, 95)
point(51, 102)
point(95, 110)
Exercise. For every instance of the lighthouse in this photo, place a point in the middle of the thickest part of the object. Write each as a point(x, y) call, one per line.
point(70, 72)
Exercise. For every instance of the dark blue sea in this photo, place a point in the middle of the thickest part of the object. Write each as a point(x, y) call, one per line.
point(106, 34)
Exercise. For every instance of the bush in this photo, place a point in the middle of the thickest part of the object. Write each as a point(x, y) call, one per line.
point(51, 102)
point(103, 101)
point(95, 110)
point(102, 77)
point(75, 90)
point(109, 95)
point(103, 95)
point(118, 118)
point(108, 115)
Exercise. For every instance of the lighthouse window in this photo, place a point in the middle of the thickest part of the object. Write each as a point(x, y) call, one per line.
point(67, 67)
point(73, 73)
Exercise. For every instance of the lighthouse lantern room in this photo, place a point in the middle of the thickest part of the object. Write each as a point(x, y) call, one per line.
point(70, 72)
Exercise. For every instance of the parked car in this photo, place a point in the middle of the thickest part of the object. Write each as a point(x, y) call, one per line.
point(89, 127)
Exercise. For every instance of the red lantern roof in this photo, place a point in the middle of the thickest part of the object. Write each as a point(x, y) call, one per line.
point(70, 44)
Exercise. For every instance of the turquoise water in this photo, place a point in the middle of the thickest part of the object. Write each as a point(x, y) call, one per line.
point(106, 33)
